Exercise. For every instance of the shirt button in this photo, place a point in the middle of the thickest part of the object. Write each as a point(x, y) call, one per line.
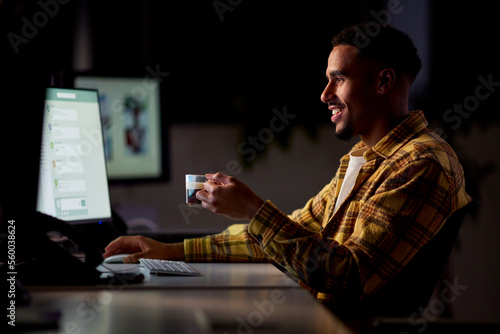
point(259, 238)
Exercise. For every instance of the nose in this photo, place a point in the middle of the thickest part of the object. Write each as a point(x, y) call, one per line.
point(328, 93)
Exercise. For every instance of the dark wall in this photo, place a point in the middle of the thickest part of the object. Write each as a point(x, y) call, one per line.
point(225, 63)
point(30, 51)
point(228, 64)
point(465, 85)
point(465, 47)
point(228, 61)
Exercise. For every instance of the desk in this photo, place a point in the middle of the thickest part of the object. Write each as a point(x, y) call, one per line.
point(246, 298)
point(188, 311)
point(215, 275)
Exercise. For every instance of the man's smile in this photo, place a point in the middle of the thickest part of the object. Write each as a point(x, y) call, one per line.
point(336, 111)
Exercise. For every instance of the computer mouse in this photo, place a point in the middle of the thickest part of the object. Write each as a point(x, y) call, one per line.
point(117, 258)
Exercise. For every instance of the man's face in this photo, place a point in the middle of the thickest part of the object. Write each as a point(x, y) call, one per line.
point(349, 92)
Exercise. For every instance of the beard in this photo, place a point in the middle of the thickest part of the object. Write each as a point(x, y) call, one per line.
point(345, 133)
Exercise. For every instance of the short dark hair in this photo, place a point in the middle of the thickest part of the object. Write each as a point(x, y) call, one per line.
point(384, 44)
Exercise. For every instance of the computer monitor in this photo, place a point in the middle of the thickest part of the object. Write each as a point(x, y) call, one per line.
point(134, 139)
point(73, 185)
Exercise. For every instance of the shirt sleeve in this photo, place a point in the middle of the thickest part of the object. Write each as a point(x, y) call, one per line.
point(232, 245)
point(407, 209)
point(235, 244)
point(320, 262)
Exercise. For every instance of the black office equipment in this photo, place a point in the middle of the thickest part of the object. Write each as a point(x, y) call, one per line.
point(43, 262)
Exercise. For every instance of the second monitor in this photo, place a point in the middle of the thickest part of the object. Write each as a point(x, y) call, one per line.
point(131, 118)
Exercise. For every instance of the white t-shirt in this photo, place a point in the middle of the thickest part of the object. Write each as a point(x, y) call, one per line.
point(355, 163)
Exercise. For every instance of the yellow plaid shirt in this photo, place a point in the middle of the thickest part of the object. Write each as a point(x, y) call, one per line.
point(411, 183)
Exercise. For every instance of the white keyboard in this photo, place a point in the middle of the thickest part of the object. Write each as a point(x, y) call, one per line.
point(167, 267)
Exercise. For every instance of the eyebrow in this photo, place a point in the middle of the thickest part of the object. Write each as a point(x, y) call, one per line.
point(335, 73)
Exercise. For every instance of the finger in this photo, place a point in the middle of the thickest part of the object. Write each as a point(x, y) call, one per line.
point(113, 247)
point(108, 253)
point(202, 195)
point(218, 177)
point(212, 184)
point(208, 206)
point(134, 258)
point(127, 244)
point(209, 187)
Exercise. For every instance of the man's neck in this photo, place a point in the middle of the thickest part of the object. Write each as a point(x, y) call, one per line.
point(382, 128)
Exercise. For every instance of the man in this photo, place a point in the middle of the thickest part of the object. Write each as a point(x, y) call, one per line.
point(391, 194)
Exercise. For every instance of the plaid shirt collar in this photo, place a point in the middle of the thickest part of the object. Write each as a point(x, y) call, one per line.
point(395, 139)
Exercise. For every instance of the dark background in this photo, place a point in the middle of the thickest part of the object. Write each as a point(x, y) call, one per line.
point(221, 68)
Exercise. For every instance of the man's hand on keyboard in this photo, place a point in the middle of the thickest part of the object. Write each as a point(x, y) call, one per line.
point(142, 247)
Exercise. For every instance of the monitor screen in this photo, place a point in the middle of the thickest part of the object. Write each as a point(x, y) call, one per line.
point(72, 179)
point(130, 109)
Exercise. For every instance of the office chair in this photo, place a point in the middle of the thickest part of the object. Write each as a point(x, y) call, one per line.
point(428, 266)
point(410, 291)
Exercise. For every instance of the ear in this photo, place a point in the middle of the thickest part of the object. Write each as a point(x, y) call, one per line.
point(386, 80)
